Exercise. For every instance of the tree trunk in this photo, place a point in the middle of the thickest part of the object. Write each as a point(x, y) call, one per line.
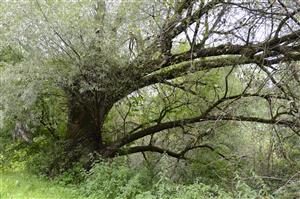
point(21, 132)
point(85, 122)
point(86, 117)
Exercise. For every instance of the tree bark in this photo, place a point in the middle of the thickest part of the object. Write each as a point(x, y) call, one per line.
point(85, 121)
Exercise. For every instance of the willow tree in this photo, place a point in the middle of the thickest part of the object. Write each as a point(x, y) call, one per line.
point(105, 54)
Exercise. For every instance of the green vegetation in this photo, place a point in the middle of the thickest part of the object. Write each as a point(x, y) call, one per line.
point(18, 185)
point(160, 99)
point(112, 180)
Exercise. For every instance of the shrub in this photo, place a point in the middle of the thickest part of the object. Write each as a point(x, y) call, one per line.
point(113, 180)
point(116, 180)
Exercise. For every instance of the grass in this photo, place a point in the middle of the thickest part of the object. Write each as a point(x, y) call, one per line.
point(21, 185)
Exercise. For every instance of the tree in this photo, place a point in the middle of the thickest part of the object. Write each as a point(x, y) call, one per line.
point(200, 63)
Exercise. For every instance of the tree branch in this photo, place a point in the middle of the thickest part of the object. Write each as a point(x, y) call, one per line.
point(150, 148)
point(204, 117)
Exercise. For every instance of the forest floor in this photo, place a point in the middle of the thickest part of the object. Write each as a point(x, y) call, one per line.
point(21, 185)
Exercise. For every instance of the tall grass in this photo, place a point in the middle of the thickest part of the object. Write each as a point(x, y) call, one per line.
point(21, 185)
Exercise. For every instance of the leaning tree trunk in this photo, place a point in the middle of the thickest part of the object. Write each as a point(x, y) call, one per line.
point(86, 116)
point(88, 110)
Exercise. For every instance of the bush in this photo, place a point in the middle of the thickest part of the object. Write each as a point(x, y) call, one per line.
point(168, 190)
point(113, 180)
point(39, 157)
point(116, 180)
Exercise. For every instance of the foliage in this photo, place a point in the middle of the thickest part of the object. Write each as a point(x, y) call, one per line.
point(151, 99)
point(117, 179)
point(113, 180)
point(38, 157)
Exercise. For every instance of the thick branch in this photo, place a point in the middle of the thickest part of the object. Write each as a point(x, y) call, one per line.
point(177, 123)
point(234, 49)
point(230, 49)
point(179, 155)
